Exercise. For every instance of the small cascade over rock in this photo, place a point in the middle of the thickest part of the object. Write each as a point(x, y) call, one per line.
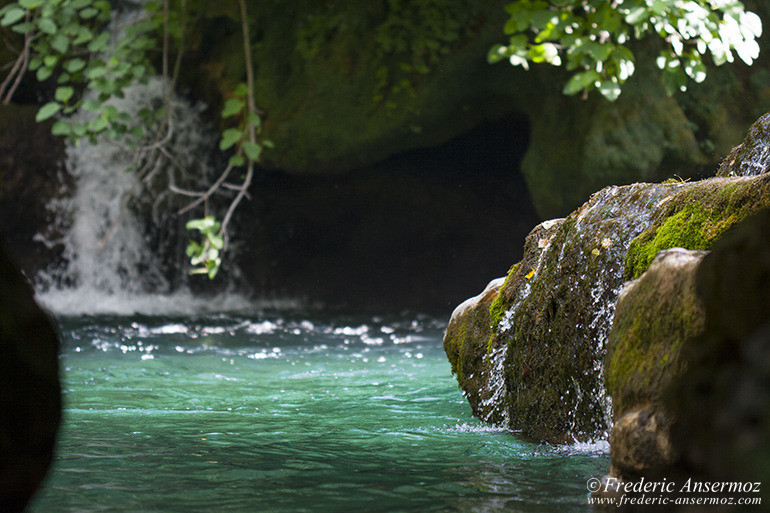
point(529, 354)
point(752, 157)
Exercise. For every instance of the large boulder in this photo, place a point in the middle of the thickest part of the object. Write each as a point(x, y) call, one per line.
point(656, 315)
point(550, 321)
point(30, 399)
point(721, 401)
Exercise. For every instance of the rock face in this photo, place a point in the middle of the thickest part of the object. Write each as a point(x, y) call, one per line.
point(687, 364)
point(655, 316)
point(30, 402)
point(344, 85)
point(721, 401)
point(30, 175)
point(546, 346)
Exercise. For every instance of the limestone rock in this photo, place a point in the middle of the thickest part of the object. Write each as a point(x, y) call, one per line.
point(641, 443)
point(655, 315)
point(550, 322)
point(752, 156)
point(722, 400)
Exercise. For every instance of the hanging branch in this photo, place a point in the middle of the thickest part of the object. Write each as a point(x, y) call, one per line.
point(252, 111)
point(206, 255)
point(17, 71)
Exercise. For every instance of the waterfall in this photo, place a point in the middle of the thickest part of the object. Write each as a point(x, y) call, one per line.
point(123, 243)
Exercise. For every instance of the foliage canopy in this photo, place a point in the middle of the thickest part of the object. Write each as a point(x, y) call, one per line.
point(591, 39)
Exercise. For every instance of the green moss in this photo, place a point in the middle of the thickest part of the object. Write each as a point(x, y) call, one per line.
point(696, 219)
point(499, 306)
point(651, 326)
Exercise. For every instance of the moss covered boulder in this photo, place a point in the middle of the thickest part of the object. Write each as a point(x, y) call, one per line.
point(551, 319)
point(721, 401)
point(30, 400)
point(655, 316)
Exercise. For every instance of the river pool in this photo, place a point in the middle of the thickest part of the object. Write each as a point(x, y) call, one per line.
point(287, 412)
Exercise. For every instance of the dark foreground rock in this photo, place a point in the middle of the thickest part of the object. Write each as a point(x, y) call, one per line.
point(721, 402)
point(688, 369)
point(30, 401)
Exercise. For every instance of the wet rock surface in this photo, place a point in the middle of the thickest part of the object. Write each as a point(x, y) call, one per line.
point(550, 322)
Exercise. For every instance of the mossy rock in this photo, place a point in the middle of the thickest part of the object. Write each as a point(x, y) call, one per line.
point(552, 316)
point(722, 399)
point(469, 341)
point(655, 315)
point(696, 217)
point(465, 343)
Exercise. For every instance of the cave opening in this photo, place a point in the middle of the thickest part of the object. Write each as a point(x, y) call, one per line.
point(422, 230)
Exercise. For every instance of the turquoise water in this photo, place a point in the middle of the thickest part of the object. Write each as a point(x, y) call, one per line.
point(274, 413)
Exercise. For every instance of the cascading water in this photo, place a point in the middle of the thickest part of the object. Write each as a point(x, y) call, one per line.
point(120, 233)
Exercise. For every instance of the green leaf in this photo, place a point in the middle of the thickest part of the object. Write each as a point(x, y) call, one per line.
point(89, 13)
point(30, 4)
point(60, 43)
point(241, 90)
point(100, 43)
point(636, 16)
point(47, 111)
point(252, 150)
point(61, 128)
point(23, 28)
point(84, 36)
point(12, 15)
point(74, 65)
point(92, 105)
point(193, 248)
point(50, 60)
point(232, 107)
point(203, 224)
point(47, 26)
point(580, 81)
point(44, 73)
point(99, 124)
point(237, 160)
point(610, 90)
point(63, 94)
point(229, 138)
point(97, 71)
point(217, 241)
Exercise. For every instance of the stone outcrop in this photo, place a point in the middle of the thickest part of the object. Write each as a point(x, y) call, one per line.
point(656, 315)
point(721, 400)
point(30, 402)
point(550, 321)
